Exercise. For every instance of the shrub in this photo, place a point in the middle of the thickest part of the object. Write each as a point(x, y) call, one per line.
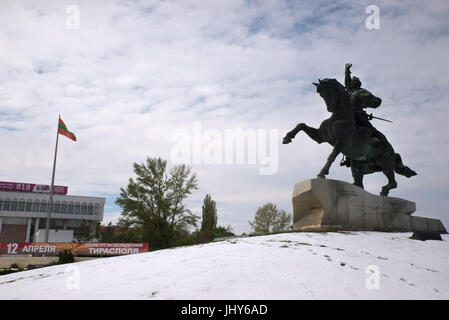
point(66, 256)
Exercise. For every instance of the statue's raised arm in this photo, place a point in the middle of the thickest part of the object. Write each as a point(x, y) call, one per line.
point(348, 76)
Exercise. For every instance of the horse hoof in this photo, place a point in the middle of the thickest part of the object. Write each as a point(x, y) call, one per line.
point(384, 193)
point(286, 140)
point(321, 176)
point(411, 174)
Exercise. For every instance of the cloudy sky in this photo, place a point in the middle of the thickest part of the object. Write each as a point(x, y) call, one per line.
point(128, 76)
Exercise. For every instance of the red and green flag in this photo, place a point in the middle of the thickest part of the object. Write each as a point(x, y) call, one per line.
point(62, 129)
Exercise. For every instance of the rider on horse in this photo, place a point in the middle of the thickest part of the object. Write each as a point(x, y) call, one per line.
point(360, 99)
point(349, 132)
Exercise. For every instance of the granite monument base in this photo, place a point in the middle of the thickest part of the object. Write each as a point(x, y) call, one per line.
point(333, 205)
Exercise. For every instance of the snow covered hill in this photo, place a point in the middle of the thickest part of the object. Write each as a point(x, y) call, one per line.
point(350, 265)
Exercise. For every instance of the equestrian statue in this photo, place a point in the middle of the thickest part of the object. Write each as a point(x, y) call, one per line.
point(351, 133)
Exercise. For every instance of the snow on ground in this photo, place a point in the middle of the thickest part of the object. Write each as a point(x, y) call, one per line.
point(281, 266)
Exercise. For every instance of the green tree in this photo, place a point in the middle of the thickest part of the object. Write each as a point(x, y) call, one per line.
point(84, 232)
point(209, 220)
point(153, 202)
point(97, 230)
point(269, 218)
point(221, 231)
point(117, 233)
point(106, 234)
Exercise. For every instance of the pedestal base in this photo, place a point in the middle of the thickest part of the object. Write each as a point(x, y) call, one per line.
point(332, 205)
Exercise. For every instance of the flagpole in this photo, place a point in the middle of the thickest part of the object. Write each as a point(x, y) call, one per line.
point(50, 202)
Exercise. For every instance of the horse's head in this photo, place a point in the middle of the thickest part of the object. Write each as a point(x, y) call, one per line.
point(331, 91)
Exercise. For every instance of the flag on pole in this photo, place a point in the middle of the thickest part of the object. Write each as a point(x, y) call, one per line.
point(62, 129)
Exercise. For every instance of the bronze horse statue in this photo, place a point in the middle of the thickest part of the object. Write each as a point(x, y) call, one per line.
point(367, 153)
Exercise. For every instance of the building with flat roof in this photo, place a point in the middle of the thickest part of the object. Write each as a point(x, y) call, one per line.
point(23, 212)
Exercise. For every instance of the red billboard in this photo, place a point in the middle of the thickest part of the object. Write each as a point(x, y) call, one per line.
point(31, 187)
point(78, 249)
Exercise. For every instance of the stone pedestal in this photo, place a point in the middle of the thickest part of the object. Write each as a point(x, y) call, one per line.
point(332, 205)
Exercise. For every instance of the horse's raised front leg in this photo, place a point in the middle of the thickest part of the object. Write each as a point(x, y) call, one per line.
point(291, 134)
point(325, 171)
point(313, 133)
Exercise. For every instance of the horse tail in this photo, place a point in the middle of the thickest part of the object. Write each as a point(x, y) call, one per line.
point(402, 169)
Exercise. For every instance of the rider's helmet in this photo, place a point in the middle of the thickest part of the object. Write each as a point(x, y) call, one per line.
point(355, 82)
